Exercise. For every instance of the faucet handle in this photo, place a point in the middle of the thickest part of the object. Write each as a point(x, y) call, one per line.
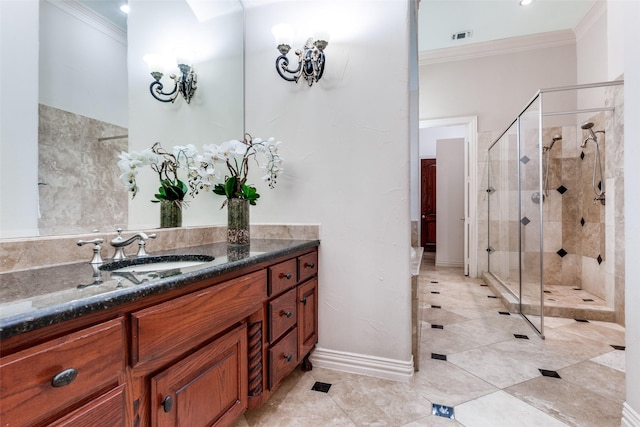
point(97, 257)
point(141, 245)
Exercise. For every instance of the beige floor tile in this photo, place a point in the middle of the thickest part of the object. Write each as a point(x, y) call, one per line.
point(595, 331)
point(444, 383)
point(433, 421)
point(443, 341)
point(570, 403)
point(615, 359)
point(494, 367)
point(479, 331)
point(598, 378)
point(502, 409)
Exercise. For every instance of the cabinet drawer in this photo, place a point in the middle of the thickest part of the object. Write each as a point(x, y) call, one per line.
point(307, 266)
point(283, 358)
point(282, 276)
point(106, 411)
point(41, 381)
point(170, 328)
point(282, 314)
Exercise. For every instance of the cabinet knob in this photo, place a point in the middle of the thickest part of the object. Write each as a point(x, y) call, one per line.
point(304, 301)
point(64, 378)
point(309, 264)
point(287, 313)
point(288, 357)
point(167, 404)
point(287, 276)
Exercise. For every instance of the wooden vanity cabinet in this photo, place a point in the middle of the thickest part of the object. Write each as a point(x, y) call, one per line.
point(196, 356)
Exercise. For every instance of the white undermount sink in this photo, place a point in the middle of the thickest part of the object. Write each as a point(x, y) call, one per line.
point(156, 263)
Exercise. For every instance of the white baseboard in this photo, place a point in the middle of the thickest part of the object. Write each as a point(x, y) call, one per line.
point(445, 263)
point(363, 364)
point(630, 417)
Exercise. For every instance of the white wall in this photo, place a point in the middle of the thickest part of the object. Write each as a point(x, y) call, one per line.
point(450, 202)
point(495, 88)
point(215, 113)
point(346, 145)
point(19, 118)
point(429, 137)
point(83, 59)
point(631, 14)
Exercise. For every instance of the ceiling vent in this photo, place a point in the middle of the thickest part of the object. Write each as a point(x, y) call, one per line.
point(460, 35)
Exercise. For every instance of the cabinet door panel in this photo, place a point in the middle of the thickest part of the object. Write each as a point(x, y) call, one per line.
point(307, 317)
point(207, 388)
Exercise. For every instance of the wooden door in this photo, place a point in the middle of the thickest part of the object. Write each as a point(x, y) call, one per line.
point(428, 204)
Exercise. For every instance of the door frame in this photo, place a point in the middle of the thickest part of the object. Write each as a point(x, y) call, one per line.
point(471, 185)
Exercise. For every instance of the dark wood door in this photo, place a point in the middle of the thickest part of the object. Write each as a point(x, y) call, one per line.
point(428, 204)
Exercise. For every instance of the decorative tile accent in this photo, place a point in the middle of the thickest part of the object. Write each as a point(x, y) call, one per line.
point(582, 222)
point(434, 281)
point(562, 252)
point(484, 284)
point(521, 337)
point(436, 306)
point(492, 296)
point(619, 347)
point(504, 313)
point(550, 374)
point(435, 292)
point(434, 326)
point(437, 356)
point(599, 185)
point(582, 155)
point(442, 411)
point(322, 387)
point(587, 299)
point(582, 320)
point(525, 159)
point(562, 189)
point(525, 221)
point(547, 292)
point(599, 259)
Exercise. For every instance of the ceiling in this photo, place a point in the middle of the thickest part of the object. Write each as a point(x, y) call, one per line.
point(438, 19)
point(490, 20)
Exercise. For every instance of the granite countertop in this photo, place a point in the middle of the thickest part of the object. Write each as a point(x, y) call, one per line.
point(40, 297)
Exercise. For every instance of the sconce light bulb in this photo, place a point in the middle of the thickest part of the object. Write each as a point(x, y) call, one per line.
point(283, 33)
point(124, 8)
point(155, 62)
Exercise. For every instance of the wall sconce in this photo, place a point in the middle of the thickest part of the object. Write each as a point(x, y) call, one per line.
point(185, 83)
point(311, 59)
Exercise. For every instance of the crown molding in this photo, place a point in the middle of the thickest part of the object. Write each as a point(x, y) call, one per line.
point(598, 9)
point(498, 47)
point(88, 16)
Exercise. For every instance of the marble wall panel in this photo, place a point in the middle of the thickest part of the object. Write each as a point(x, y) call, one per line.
point(79, 189)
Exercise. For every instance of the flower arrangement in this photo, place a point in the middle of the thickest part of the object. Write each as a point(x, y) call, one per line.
point(234, 155)
point(204, 170)
point(165, 164)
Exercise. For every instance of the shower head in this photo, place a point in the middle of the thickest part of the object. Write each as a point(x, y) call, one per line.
point(554, 138)
point(588, 126)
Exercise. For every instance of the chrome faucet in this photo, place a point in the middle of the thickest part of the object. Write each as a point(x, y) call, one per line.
point(120, 243)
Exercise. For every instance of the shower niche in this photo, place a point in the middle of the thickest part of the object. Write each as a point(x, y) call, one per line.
point(555, 206)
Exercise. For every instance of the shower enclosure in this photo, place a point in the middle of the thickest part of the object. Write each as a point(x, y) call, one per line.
point(553, 229)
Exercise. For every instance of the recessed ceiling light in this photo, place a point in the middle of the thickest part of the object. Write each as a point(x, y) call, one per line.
point(125, 8)
point(525, 2)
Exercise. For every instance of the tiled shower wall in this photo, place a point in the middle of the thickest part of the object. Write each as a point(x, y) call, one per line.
point(79, 189)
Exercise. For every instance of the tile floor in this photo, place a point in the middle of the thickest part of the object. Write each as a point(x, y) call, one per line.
point(489, 377)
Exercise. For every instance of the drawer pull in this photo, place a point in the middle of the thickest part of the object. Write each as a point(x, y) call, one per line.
point(288, 357)
point(309, 264)
point(304, 301)
point(287, 313)
point(286, 276)
point(64, 378)
point(167, 404)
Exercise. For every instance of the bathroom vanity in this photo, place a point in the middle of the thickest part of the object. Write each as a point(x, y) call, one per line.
point(194, 346)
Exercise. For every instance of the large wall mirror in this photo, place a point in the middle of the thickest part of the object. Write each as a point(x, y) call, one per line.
point(94, 102)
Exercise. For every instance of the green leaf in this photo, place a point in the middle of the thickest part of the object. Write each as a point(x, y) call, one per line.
point(230, 187)
point(219, 190)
